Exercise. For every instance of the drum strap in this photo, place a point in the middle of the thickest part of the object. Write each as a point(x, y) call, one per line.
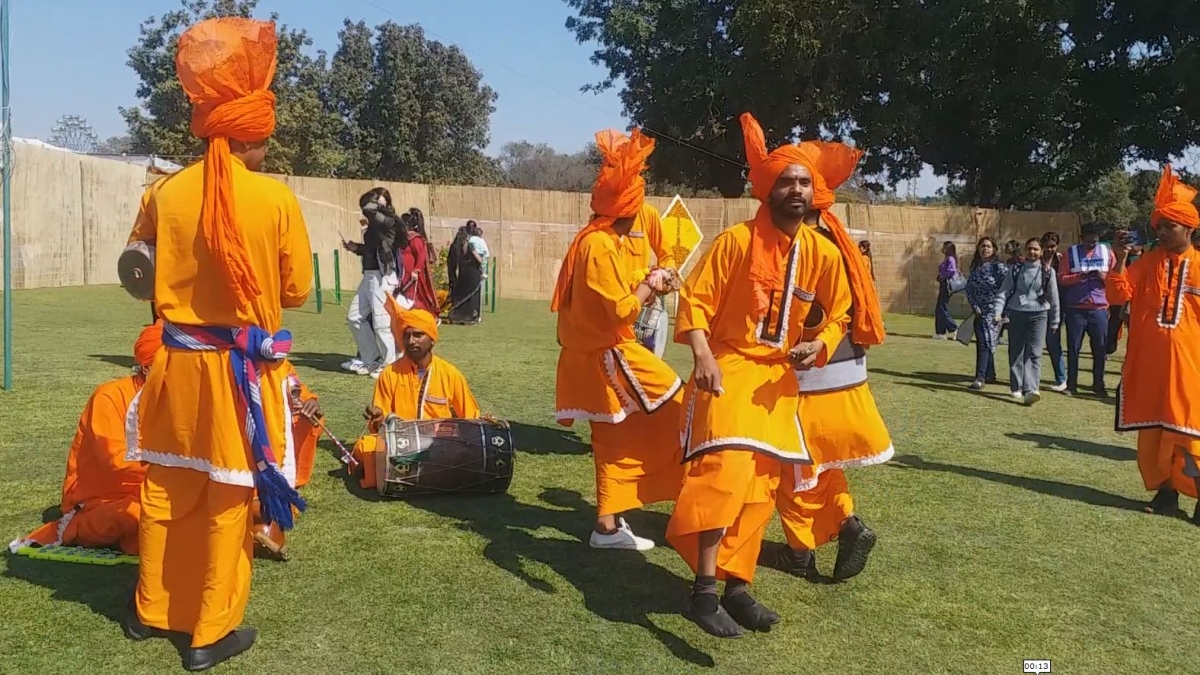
point(248, 346)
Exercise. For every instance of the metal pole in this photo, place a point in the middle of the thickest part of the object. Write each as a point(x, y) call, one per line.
point(317, 282)
point(6, 157)
point(495, 282)
point(337, 277)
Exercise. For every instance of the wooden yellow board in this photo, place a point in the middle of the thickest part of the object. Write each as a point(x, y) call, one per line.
point(681, 231)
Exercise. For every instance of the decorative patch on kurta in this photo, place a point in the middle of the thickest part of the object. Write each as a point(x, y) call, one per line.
point(772, 330)
point(647, 405)
point(1172, 309)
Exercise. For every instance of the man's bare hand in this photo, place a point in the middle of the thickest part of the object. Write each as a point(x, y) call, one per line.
point(804, 355)
point(374, 417)
point(707, 375)
point(311, 410)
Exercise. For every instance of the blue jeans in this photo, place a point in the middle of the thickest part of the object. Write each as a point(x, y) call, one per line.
point(1058, 360)
point(985, 359)
point(943, 323)
point(1094, 323)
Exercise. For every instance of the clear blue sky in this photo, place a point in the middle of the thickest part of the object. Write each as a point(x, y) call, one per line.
point(69, 59)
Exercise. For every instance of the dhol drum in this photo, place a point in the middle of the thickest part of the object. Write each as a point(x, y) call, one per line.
point(135, 270)
point(424, 457)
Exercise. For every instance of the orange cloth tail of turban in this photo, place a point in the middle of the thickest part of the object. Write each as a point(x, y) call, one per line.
point(835, 162)
point(417, 319)
point(619, 192)
point(226, 66)
point(148, 343)
point(1174, 201)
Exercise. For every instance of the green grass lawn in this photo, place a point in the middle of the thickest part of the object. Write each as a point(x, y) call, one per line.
point(1005, 533)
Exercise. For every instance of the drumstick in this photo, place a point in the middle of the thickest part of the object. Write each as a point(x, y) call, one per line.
point(347, 457)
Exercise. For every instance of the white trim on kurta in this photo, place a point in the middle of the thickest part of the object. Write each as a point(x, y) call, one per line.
point(1179, 290)
point(289, 443)
point(732, 442)
point(801, 485)
point(238, 477)
point(1122, 425)
point(785, 304)
point(647, 405)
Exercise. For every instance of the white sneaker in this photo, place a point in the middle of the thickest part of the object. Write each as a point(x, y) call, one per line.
point(623, 539)
point(375, 369)
point(353, 366)
point(1032, 397)
point(1060, 388)
point(1017, 395)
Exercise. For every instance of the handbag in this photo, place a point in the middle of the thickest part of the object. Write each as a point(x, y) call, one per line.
point(957, 283)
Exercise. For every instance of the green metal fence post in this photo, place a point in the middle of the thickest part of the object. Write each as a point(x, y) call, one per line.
point(317, 282)
point(337, 277)
point(494, 283)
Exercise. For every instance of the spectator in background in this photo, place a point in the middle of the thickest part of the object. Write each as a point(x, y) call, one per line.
point(415, 252)
point(368, 319)
point(1081, 275)
point(987, 274)
point(466, 262)
point(864, 247)
point(944, 326)
point(1030, 294)
point(1051, 258)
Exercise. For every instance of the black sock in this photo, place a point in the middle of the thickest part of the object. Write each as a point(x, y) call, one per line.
point(704, 595)
point(736, 587)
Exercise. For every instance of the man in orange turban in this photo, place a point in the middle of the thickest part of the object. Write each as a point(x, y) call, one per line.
point(742, 312)
point(1159, 396)
point(420, 387)
point(100, 507)
point(232, 252)
point(629, 396)
point(841, 422)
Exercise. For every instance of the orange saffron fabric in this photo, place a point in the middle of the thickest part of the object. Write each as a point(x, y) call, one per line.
point(619, 192)
point(226, 66)
point(148, 344)
point(417, 319)
point(1174, 201)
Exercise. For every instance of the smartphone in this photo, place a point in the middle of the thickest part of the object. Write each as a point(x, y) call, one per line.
point(1132, 237)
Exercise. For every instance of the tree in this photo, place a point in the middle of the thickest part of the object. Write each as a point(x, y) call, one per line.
point(413, 109)
point(1110, 200)
point(305, 140)
point(1009, 100)
point(539, 167)
point(115, 145)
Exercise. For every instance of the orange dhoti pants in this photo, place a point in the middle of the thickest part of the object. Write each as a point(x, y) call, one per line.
point(364, 451)
point(196, 549)
point(98, 524)
point(1166, 456)
point(812, 518)
point(730, 490)
point(638, 461)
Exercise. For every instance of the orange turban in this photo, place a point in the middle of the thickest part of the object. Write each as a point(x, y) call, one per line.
point(148, 343)
point(226, 66)
point(416, 319)
point(1174, 201)
point(619, 192)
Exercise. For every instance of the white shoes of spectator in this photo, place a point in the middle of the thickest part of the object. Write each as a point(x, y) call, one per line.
point(1032, 397)
point(623, 539)
point(355, 366)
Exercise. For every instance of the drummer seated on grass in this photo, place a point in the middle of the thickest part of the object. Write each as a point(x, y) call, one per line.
point(419, 387)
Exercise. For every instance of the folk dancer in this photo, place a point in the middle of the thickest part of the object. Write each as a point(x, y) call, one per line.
point(232, 252)
point(742, 312)
point(628, 396)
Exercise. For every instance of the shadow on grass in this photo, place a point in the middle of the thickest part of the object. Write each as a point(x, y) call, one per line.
point(539, 440)
point(618, 586)
point(327, 363)
point(103, 589)
point(122, 361)
point(1112, 452)
point(995, 396)
point(1068, 491)
point(937, 378)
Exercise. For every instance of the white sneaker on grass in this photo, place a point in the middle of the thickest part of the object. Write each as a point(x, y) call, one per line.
point(1017, 395)
point(1032, 397)
point(1060, 388)
point(354, 366)
point(623, 539)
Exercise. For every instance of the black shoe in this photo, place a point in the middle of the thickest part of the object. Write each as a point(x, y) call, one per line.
point(133, 627)
point(749, 613)
point(1165, 502)
point(855, 542)
point(203, 658)
point(1196, 516)
point(704, 611)
point(1100, 392)
point(801, 564)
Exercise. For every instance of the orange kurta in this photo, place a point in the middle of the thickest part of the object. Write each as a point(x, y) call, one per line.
point(628, 395)
point(645, 237)
point(100, 492)
point(442, 394)
point(197, 426)
point(758, 409)
point(1159, 395)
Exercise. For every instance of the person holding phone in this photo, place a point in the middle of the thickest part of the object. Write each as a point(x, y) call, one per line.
point(1081, 276)
point(1158, 382)
point(368, 319)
